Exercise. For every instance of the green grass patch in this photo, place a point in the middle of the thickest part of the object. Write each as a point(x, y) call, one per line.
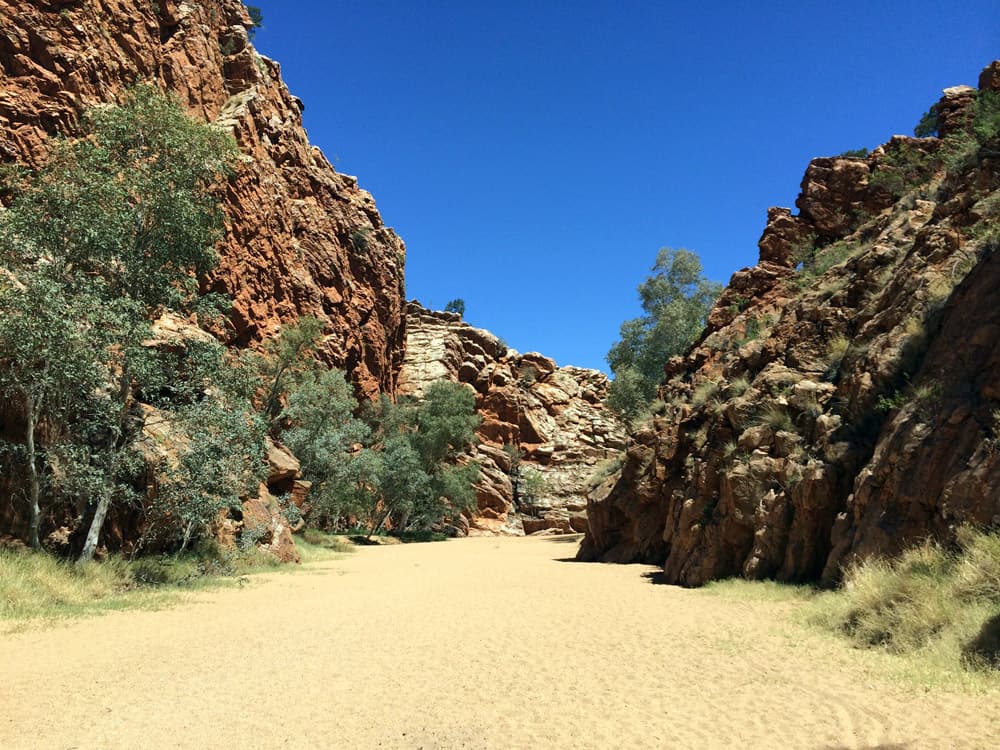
point(36, 586)
point(930, 617)
point(317, 546)
point(939, 603)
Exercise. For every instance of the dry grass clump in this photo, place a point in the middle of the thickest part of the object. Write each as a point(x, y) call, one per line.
point(944, 604)
point(777, 418)
point(704, 392)
point(737, 387)
point(605, 469)
point(35, 584)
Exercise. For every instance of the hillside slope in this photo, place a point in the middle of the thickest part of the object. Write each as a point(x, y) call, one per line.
point(844, 399)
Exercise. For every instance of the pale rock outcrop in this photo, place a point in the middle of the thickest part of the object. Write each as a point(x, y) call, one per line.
point(550, 419)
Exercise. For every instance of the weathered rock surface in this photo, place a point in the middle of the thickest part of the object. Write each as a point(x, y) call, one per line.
point(553, 416)
point(842, 410)
point(302, 239)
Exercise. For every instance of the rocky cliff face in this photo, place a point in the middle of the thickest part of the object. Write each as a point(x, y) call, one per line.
point(302, 239)
point(844, 399)
point(550, 419)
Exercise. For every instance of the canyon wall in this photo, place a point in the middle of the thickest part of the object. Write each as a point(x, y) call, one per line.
point(545, 430)
point(301, 239)
point(844, 399)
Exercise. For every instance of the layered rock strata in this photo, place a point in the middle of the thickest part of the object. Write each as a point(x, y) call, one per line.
point(844, 399)
point(302, 239)
point(545, 430)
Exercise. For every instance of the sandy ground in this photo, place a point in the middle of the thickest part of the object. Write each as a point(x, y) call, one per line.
point(479, 643)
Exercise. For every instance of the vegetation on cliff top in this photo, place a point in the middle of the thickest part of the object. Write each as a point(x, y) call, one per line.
point(676, 299)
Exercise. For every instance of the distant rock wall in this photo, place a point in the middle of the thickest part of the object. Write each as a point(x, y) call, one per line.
point(844, 399)
point(302, 239)
point(553, 416)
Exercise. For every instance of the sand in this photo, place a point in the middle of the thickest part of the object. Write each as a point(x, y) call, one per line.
point(477, 643)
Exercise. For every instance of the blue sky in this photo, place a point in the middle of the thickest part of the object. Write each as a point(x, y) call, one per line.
point(534, 156)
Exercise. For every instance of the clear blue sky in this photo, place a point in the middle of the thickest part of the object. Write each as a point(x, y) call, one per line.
point(534, 156)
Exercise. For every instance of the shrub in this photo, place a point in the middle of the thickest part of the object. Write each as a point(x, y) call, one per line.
point(737, 387)
point(928, 124)
point(930, 597)
point(456, 306)
point(605, 469)
point(256, 20)
point(777, 418)
point(854, 153)
point(704, 392)
point(902, 168)
point(628, 395)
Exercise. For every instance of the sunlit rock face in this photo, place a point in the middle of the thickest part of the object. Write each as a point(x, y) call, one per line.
point(301, 238)
point(844, 399)
point(553, 417)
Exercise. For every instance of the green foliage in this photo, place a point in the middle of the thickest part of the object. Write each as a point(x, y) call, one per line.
point(446, 422)
point(222, 463)
point(737, 387)
point(112, 230)
point(456, 306)
point(256, 20)
point(816, 261)
point(928, 124)
point(394, 462)
point(703, 392)
point(676, 299)
point(127, 210)
point(37, 586)
point(751, 332)
point(777, 418)
point(964, 148)
point(286, 357)
point(854, 153)
point(629, 395)
point(606, 468)
point(929, 597)
point(986, 117)
point(322, 432)
point(903, 167)
point(359, 239)
point(529, 484)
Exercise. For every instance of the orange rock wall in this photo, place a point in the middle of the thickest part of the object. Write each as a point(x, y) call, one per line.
point(302, 239)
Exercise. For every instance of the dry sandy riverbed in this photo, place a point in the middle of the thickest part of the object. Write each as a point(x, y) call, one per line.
point(478, 643)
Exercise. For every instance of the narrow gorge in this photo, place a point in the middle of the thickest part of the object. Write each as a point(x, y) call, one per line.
point(842, 401)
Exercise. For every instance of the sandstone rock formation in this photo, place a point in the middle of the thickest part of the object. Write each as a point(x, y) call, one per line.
point(844, 399)
point(302, 239)
point(550, 419)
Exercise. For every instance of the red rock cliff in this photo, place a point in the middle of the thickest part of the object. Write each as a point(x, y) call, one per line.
point(302, 239)
point(844, 400)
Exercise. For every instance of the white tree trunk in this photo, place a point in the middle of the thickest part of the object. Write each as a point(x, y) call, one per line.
point(35, 520)
point(93, 535)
